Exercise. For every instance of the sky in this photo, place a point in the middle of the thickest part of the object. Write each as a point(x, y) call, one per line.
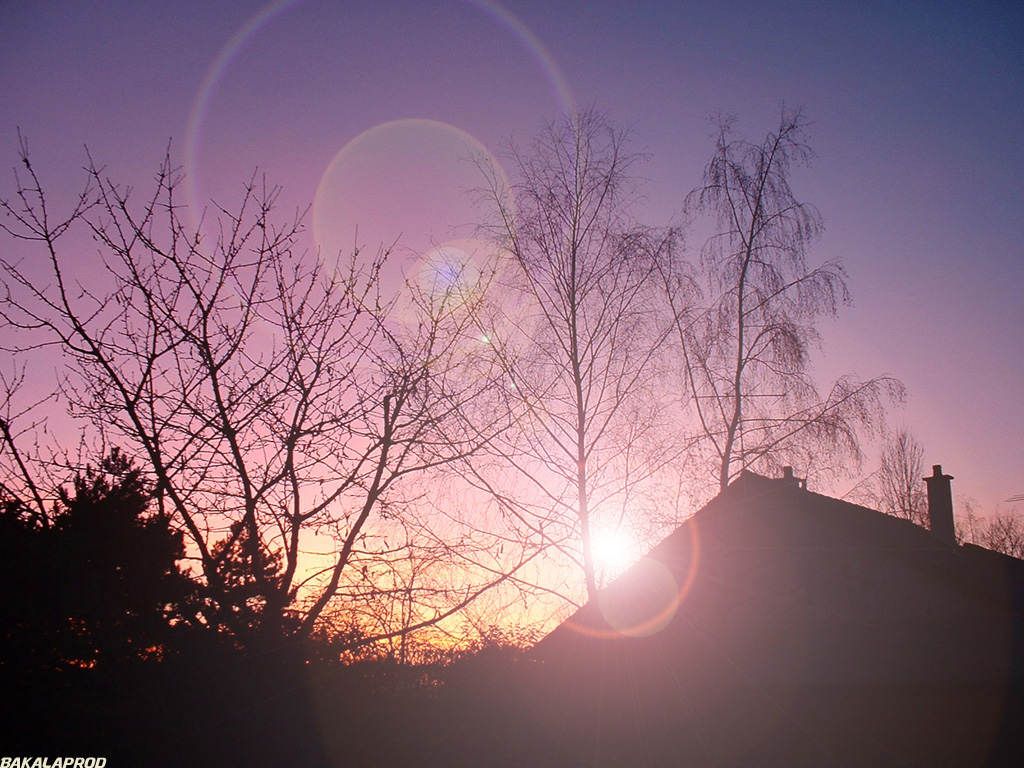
point(364, 110)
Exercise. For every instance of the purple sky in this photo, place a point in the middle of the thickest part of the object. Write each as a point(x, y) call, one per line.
point(918, 123)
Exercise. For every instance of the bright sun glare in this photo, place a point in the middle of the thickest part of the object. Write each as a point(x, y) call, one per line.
point(614, 550)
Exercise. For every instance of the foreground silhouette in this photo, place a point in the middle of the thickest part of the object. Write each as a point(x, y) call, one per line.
point(800, 631)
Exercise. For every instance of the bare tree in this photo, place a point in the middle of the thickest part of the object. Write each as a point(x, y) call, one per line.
point(899, 486)
point(1002, 532)
point(279, 404)
point(746, 349)
point(19, 474)
point(574, 328)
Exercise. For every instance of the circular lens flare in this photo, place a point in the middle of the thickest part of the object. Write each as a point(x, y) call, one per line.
point(448, 271)
point(404, 185)
point(259, 21)
point(644, 599)
point(650, 604)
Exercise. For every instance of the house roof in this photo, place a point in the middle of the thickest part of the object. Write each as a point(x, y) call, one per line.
point(782, 627)
point(802, 585)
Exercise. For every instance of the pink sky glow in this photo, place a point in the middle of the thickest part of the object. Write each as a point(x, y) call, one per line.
point(365, 111)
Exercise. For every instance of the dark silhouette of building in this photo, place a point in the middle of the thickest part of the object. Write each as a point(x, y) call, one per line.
point(778, 626)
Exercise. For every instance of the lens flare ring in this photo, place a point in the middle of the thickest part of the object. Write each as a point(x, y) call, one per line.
point(415, 173)
point(643, 600)
point(265, 16)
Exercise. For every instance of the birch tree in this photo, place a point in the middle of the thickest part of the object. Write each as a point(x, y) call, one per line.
point(746, 348)
point(575, 330)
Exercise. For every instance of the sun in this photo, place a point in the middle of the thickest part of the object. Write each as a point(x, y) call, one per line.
point(614, 551)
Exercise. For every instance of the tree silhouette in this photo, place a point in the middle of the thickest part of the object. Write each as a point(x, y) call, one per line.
point(100, 584)
point(900, 488)
point(746, 349)
point(252, 580)
point(1002, 531)
point(274, 395)
point(575, 330)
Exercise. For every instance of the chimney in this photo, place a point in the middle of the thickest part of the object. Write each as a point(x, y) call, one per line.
point(940, 505)
point(788, 478)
